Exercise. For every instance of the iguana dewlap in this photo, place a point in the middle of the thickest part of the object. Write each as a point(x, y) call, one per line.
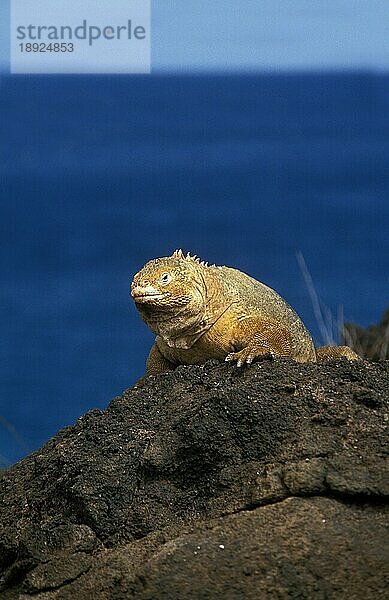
point(199, 312)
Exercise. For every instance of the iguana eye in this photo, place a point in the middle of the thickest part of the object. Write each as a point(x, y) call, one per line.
point(165, 278)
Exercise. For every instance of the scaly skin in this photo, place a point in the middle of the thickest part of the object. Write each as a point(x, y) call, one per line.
point(199, 312)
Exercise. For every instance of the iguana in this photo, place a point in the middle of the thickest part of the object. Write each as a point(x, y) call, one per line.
point(200, 311)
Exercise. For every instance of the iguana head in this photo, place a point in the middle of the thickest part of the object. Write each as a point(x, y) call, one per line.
point(170, 293)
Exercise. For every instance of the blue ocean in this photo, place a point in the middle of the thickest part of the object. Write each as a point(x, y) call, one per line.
point(101, 174)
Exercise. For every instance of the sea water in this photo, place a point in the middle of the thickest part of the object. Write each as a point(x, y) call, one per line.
point(100, 174)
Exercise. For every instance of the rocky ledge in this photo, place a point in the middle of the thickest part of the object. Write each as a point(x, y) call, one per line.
point(209, 482)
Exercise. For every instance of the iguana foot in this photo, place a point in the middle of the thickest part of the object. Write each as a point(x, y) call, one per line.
point(248, 354)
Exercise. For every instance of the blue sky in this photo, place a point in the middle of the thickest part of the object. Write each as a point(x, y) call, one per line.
point(198, 35)
point(270, 34)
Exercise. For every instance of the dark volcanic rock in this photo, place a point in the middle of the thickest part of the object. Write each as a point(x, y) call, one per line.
point(209, 482)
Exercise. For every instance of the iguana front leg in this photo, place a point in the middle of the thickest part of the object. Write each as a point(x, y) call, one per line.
point(156, 363)
point(258, 337)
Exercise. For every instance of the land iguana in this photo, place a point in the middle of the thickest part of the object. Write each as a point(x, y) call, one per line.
point(200, 311)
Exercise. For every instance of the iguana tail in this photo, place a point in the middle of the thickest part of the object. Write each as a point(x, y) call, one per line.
point(331, 352)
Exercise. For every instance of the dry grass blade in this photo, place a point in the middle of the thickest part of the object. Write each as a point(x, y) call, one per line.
point(326, 325)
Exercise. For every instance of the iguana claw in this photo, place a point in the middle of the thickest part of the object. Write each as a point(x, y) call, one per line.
point(247, 355)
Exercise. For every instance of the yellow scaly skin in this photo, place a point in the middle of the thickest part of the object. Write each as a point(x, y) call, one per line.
point(199, 312)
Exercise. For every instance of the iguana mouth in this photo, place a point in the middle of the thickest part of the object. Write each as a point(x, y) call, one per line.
point(146, 297)
point(145, 294)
